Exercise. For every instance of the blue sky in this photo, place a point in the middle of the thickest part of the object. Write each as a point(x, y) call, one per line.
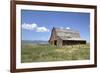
point(37, 25)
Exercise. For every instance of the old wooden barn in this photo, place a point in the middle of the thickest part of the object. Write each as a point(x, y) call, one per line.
point(61, 36)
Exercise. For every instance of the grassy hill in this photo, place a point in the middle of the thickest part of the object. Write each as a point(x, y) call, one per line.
point(46, 52)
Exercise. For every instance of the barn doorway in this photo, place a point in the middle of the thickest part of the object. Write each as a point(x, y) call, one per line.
point(55, 42)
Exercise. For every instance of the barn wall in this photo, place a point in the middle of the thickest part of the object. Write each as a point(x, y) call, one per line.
point(53, 38)
point(59, 42)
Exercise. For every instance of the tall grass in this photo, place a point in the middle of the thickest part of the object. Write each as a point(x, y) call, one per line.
point(43, 53)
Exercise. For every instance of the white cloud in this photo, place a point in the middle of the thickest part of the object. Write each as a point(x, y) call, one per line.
point(29, 26)
point(34, 27)
point(67, 27)
point(42, 29)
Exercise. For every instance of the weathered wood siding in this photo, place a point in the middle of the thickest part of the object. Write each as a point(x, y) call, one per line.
point(53, 38)
point(59, 42)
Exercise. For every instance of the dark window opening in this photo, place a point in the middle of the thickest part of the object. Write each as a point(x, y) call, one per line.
point(55, 42)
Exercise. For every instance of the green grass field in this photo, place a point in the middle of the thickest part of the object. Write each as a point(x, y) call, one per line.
point(44, 53)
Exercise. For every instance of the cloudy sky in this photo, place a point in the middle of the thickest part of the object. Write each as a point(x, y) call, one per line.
point(37, 25)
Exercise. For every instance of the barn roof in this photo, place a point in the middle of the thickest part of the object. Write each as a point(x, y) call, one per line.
point(67, 34)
